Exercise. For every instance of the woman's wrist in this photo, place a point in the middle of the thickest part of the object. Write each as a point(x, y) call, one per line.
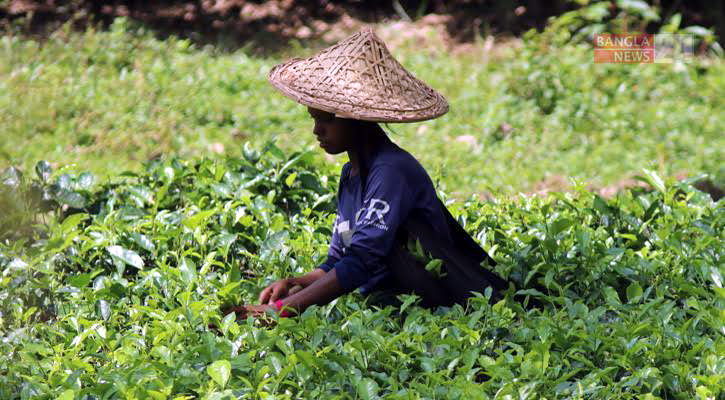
point(307, 279)
point(294, 281)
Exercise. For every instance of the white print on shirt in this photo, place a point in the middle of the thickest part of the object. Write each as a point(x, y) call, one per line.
point(379, 212)
point(343, 229)
point(377, 208)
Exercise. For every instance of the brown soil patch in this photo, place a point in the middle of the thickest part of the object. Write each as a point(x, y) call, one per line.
point(559, 183)
point(269, 25)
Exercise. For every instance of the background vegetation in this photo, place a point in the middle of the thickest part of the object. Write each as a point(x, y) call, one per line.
point(521, 115)
point(227, 23)
point(110, 278)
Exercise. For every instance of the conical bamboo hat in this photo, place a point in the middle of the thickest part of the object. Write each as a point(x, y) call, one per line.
point(358, 78)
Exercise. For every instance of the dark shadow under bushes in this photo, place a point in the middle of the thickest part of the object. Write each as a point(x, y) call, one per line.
point(269, 25)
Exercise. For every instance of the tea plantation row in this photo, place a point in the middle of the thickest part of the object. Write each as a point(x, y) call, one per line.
point(107, 290)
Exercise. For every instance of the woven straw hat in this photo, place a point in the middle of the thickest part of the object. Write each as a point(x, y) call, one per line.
point(358, 78)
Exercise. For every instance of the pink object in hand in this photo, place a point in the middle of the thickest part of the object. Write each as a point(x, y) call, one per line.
point(280, 305)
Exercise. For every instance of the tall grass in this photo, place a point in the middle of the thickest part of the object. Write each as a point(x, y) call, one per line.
point(108, 101)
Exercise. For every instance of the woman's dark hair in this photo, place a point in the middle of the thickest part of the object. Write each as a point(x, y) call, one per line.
point(367, 130)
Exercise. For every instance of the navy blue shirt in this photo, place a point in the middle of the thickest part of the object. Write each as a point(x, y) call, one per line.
point(368, 219)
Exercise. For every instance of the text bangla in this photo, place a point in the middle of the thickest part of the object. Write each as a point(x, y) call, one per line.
point(624, 41)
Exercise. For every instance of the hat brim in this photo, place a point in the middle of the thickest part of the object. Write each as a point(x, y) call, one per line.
point(380, 90)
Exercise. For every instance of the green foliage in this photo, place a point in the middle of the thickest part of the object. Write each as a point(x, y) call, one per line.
point(432, 265)
point(592, 17)
point(110, 280)
point(520, 113)
point(23, 202)
point(112, 299)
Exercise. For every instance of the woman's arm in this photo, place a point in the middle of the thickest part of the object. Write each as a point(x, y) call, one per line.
point(283, 287)
point(322, 291)
point(322, 287)
point(308, 278)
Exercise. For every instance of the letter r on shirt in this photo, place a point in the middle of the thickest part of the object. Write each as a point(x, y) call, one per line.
point(379, 207)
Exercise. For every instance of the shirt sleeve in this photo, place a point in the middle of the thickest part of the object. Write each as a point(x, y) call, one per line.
point(334, 252)
point(329, 264)
point(387, 201)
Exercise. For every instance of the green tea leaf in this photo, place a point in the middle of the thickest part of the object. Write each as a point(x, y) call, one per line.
point(276, 361)
point(188, 270)
point(560, 225)
point(86, 180)
point(80, 280)
point(653, 179)
point(225, 241)
point(43, 170)
point(612, 296)
point(68, 394)
point(143, 241)
point(129, 257)
point(275, 245)
point(716, 276)
point(105, 309)
point(600, 205)
point(198, 219)
point(71, 198)
point(290, 179)
point(367, 389)
point(434, 267)
point(322, 199)
point(220, 371)
point(634, 292)
point(12, 177)
point(250, 153)
point(72, 221)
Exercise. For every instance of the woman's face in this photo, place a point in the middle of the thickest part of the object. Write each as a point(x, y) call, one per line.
point(333, 134)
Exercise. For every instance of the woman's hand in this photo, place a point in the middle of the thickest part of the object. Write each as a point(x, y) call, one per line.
point(321, 288)
point(277, 290)
point(287, 287)
point(250, 310)
point(244, 311)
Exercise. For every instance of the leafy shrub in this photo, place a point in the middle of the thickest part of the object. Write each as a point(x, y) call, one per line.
point(114, 298)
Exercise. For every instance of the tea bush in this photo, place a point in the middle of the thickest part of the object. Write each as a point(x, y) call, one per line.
point(109, 291)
